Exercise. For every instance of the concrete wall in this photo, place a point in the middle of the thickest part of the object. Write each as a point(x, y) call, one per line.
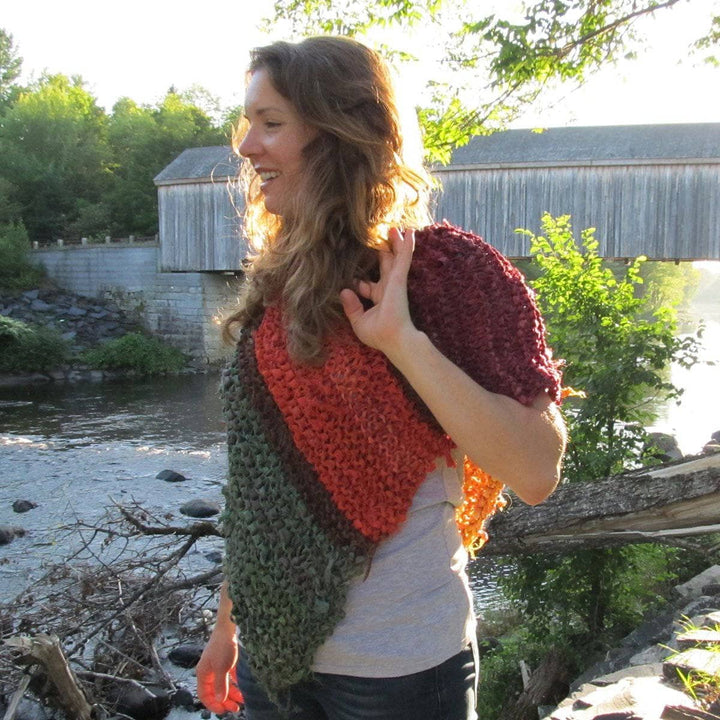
point(182, 308)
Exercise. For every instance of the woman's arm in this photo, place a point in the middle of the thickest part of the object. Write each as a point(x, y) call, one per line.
point(215, 671)
point(519, 445)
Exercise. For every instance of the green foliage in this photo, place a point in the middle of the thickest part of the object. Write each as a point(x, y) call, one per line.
point(142, 141)
point(702, 687)
point(348, 17)
point(500, 680)
point(16, 270)
point(710, 41)
point(553, 597)
point(53, 151)
point(28, 348)
point(10, 67)
point(140, 353)
point(668, 284)
point(615, 345)
point(70, 170)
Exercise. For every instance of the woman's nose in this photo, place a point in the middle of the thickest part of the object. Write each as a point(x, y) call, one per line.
point(248, 145)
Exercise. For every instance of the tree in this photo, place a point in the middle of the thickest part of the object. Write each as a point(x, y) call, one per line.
point(142, 141)
point(10, 67)
point(616, 344)
point(486, 66)
point(52, 154)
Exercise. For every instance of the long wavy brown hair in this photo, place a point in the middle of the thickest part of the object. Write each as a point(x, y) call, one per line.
point(355, 185)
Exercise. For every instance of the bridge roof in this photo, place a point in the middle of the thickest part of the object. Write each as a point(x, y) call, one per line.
point(590, 145)
point(600, 145)
point(200, 163)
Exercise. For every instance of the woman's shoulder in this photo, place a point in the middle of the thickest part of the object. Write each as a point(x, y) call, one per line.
point(457, 268)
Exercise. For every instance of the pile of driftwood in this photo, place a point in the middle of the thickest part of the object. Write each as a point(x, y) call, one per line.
point(84, 638)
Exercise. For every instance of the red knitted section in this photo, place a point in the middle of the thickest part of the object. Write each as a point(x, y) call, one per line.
point(354, 424)
point(475, 306)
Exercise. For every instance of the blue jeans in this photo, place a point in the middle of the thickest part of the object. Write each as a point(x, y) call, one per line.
point(445, 692)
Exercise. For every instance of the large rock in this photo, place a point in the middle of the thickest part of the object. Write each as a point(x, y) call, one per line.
point(9, 532)
point(170, 476)
point(694, 587)
point(183, 698)
point(663, 446)
point(638, 679)
point(21, 506)
point(631, 697)
point(185, 656)
point(138, 702)
point(200, 508)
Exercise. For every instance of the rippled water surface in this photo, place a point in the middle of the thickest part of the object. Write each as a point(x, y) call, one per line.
point(76, 449)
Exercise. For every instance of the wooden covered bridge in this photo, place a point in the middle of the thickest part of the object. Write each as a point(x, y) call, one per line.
point(649, 190)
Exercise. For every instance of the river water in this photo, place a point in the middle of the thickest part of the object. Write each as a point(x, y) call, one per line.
point(74, 449)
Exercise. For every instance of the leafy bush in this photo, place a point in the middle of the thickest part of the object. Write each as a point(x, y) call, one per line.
point(16, 270)
point(26, 348)
point(134, 351)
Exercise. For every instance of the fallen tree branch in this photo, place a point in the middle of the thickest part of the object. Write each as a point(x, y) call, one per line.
point(16, 698)
point(139, 593)
point(196, 530)
point(676, 500)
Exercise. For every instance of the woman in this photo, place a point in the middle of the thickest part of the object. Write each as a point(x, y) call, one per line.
point(370, 361)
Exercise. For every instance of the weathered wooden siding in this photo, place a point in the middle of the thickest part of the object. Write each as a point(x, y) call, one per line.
point(665, 210)
point(200, 227)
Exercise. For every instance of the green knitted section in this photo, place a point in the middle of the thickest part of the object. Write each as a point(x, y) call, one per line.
point(287, 579)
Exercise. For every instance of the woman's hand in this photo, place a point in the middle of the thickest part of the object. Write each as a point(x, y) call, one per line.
point(387, 323)
point(216, 686)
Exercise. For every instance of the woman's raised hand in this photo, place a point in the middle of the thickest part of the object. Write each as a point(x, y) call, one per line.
point(385, 325)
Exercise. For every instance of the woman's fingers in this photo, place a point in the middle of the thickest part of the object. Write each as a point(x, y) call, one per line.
point(235, 695)
point(351, 305)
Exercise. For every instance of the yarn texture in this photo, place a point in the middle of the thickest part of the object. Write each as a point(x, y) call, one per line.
point(324, 461)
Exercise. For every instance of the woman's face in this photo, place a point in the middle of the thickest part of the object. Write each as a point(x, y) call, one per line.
point(274, 141)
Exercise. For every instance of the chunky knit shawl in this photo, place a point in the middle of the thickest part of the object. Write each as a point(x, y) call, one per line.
point(324, 461)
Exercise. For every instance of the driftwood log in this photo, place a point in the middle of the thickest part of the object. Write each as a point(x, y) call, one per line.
point(45, 650)
point(669, 501)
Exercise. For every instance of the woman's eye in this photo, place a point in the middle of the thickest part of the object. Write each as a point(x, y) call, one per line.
point(271, 125)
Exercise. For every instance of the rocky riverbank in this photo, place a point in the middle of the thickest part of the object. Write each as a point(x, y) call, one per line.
point(639, 680)
point(76, 477)
point(80, 561)
point(81, 322)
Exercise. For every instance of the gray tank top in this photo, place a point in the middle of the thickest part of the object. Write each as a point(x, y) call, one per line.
point(414, 610)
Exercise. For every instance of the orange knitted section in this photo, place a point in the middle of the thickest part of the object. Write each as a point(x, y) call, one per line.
point(351, 420)
point(482, 498)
